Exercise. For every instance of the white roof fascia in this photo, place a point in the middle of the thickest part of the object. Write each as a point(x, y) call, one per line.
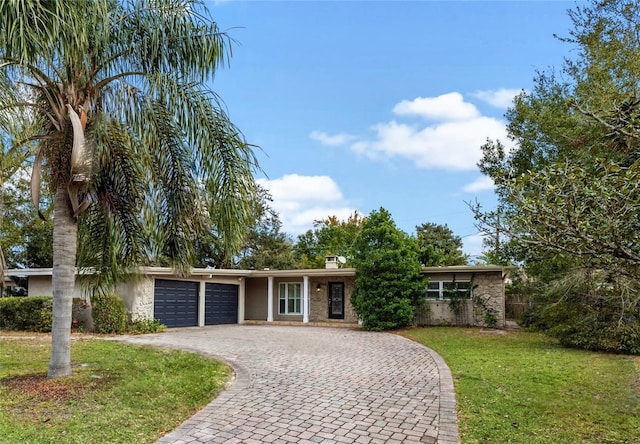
point(222, 272)
point(464, 269)
point(329, 272)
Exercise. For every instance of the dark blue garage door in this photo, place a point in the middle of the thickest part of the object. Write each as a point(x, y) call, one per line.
point(176, 303)
point(220, 304)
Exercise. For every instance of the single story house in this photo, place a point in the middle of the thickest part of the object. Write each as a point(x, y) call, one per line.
point(310, 296)
point(7, 284)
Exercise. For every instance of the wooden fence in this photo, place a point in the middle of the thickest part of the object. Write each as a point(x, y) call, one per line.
point(515, 305)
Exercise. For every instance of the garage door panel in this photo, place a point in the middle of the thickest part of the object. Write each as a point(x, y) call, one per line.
point(221, 304)
point(176, 303)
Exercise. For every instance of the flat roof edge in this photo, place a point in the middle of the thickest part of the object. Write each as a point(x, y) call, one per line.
point(167, 271)
point(464, 268)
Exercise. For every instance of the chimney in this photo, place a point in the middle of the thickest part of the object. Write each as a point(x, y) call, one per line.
point(331, 262)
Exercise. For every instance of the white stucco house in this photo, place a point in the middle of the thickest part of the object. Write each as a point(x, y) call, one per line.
point(305, 297)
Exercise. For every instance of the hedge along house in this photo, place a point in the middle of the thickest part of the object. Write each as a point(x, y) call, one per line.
point(298, 297)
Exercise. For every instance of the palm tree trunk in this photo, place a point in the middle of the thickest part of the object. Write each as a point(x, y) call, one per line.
point(65, 238)
point(3, 265)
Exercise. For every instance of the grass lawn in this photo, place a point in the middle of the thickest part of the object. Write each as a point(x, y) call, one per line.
point(522, 387)
point(118, 393)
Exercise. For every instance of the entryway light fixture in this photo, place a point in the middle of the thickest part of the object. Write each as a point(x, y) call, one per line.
point(319, 288)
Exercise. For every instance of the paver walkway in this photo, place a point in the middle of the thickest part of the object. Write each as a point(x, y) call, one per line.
point(318, 385)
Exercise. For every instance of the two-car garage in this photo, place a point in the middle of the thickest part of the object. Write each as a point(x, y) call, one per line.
point(176, 303)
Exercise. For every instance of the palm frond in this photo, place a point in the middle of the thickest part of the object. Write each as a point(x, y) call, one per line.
point(173, 37)
point(225, 161)
point(111, 232)
point(173, 172)
point(27, 28)
point(166, 153)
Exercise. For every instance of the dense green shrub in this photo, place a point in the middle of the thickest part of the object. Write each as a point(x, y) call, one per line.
point(388, 281)
point(109, 314)
point(590, 310)
point(602, 332)
point(142, 326)
point(624, 338)
point(587, 310)
point(380, 314)
point(531, 319)
point(26, 313)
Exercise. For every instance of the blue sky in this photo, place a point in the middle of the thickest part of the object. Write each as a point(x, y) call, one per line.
point(357, 105)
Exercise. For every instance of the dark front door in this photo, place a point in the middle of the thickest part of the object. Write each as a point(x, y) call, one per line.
point(336, 300)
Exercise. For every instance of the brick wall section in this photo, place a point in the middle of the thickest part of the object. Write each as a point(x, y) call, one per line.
point(488, 286)
point(319, 309)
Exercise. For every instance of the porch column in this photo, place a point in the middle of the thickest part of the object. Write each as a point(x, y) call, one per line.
point(241, 300)
point(201, 305)
point(305, 299)
point(270, 299)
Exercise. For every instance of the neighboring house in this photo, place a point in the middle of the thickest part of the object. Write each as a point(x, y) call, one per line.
point(40, 281)
point(312, 296)
point(7, 285)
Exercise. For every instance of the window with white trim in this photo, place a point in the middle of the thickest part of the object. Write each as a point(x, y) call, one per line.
point(447, 289)
point(290, 298)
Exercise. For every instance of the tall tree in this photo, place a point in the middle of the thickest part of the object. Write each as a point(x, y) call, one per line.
point(439, 246)
point(329, 237)
point(26, 239)
point(568, 189)
point(388, 281)
point(14, 123)
point(266, 245)
point(128, 136)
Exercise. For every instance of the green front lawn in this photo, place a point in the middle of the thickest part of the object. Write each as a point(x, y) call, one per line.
point(522, 387)
point(515, 388)
point(118, 393)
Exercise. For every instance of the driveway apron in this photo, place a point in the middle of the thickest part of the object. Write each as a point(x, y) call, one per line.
point(317, 385)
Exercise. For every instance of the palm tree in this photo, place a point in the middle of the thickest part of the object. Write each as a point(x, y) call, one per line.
point(130, 139)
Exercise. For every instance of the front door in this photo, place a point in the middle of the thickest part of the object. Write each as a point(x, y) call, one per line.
point(336, 300)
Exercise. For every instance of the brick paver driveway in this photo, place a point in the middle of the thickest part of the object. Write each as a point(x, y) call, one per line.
point(318, 385)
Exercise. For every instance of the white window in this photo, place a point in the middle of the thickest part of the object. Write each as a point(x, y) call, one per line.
point(290, 298)
point(448, 289)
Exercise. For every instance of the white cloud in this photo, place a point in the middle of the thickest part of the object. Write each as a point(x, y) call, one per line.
point(472, 245)
point(453, 145)
point(451, 142)
point(500, 98)
point(446, 107)
point(303, 221)
point(302, 199)
point(335, 140)
point(480, 184)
